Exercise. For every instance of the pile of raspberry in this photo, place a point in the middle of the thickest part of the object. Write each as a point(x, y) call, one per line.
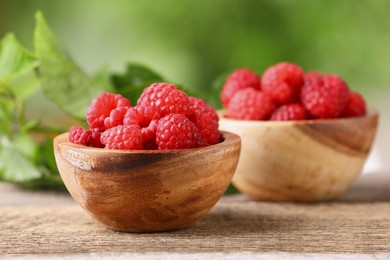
point(164, 118)
point(284, 92)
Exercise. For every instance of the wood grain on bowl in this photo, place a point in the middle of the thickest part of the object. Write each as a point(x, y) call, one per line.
point(145, 190)
point(309, 160)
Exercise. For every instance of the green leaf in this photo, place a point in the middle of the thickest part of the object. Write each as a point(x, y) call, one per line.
point(191, 92)
point(131, 83)
point(136, 77)
point(103, 76)
point(231, 190)
point(63, 82)
point(15, 166)
point(14, 58)
point(26, 145)
point(50, 178)
point(24, 85)
point(6, 114)
point(46, 156)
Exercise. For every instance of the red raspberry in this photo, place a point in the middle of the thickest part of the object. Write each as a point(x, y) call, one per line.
point(79, 135)
point(356, 106)
point(150, 144)
point(166, 98)
point(324, 96)
point(283, 82)
point(123, 137)
point(313, 78)
point(116, 117)
point(145, 117)
point(250, 104)
point(290, 112)
point(205, 119)
point(239, 79)
point(149, 133)
point(101, 108)
point(176, 131)
point(95, 139)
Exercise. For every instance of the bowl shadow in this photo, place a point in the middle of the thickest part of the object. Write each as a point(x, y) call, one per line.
point(248, 219)
point(369, 187)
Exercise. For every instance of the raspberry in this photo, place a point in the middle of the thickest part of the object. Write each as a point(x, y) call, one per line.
point(356, 106)
point(176, 131)
point(324, 96)
point(250, 104)
point(314, 78)
point(150, 144)
point(205, 119)
point(116, 117)
point(101, 108)
point(95, 140)
point(166, 98)
point(290, 112)
point(283, 82)
point(239, 79)
point(123, 138)
point(79, 135)
point(145, 117)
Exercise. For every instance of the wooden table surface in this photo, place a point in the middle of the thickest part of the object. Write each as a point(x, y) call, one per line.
point(51, 225)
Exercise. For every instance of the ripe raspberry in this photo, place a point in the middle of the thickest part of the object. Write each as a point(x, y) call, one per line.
point(101, 108)
point(239, 79)
point(116, 117)
point(313, 78)
point(324, 96)
point(356, 106)
point(166, 98)
point(150, 144)
point(290, 112)
point(250, 104)
point(79, 135)
point(283, 82)
point(145, 117)
point(176, 131)
point(123, 138)
point(205, 119)
point(95, 139)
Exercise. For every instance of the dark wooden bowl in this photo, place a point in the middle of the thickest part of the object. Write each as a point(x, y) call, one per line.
point(145, 190)
point(311, 160)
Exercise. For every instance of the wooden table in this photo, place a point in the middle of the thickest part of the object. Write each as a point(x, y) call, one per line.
point(51, 225)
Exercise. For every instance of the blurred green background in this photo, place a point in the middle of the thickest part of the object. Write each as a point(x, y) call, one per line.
point(192, 42)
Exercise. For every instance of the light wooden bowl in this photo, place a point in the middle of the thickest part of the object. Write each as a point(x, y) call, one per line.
point(310, 160)
point(144, 190)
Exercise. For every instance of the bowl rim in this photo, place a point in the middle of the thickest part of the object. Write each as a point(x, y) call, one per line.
point(228, 138)
point(371, 113)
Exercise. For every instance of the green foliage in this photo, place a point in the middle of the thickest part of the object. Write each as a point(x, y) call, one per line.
point(131, 83)
point(23, 159)
point(62, 80)
point(231, 190)
point(136, 77)
point(17, 166)
point(45, 163)
point(14, 59)
point(17, 149)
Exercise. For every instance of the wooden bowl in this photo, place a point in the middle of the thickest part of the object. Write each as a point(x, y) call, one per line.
point(145, 190)
point(309, 160)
